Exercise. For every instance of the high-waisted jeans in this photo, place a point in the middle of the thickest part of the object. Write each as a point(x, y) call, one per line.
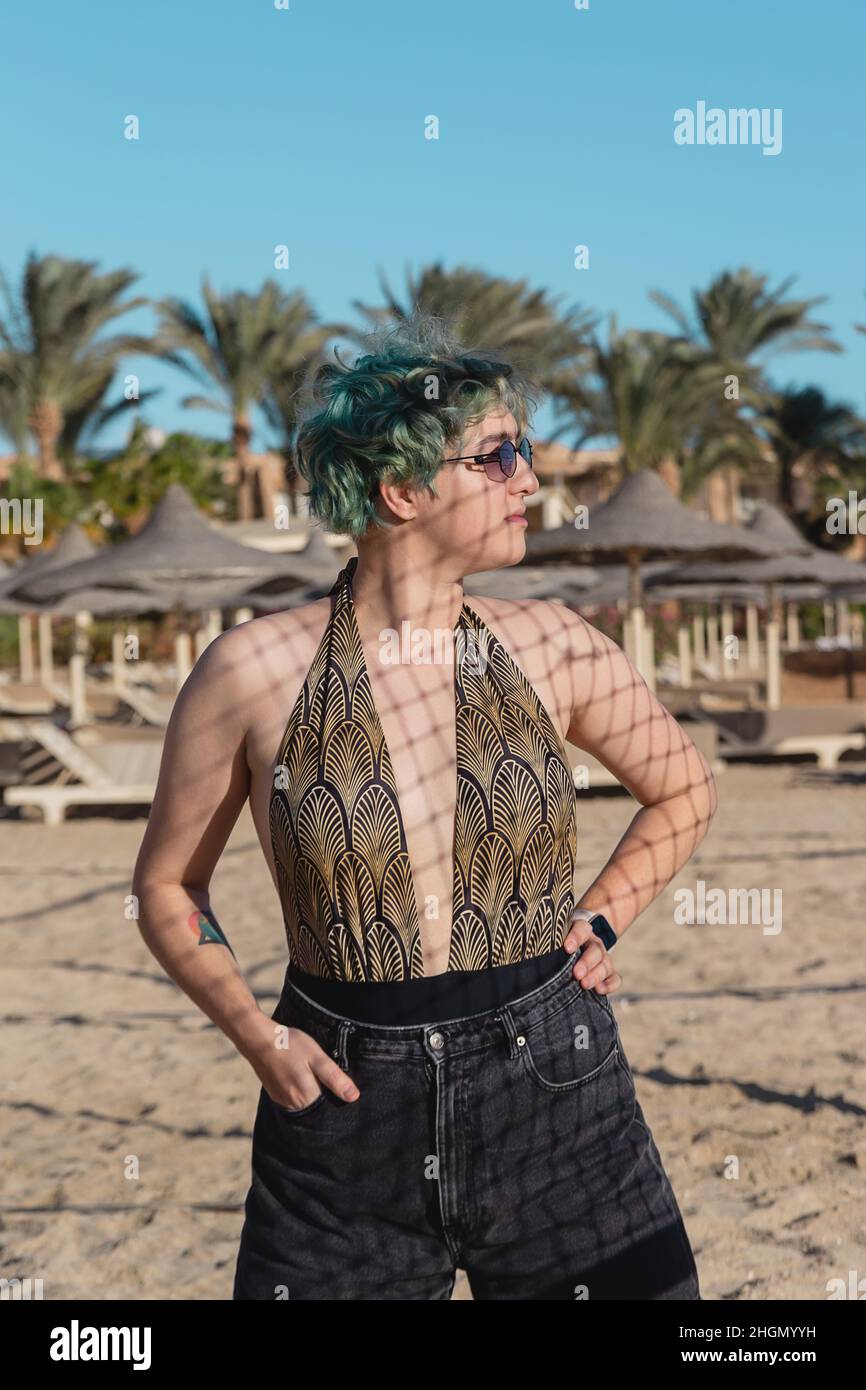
point(509, 1144)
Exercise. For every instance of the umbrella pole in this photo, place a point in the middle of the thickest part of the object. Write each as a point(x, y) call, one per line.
point(25, 648)
point(635, 595)
point(645, 646)
point(182, 659)
point(183, 662)
point(77, 689)
point(753, 639)
point(843, 618)
point(774, 668)
point(78, 668)
point(699, 635)
point(828, 618)
point(728, 643)
point(637, 640)
point(713, 640)
point(46, 650)
point(684, 656)
point(118, 668)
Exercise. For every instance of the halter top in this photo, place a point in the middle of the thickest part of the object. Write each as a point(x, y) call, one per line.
point(343, 873)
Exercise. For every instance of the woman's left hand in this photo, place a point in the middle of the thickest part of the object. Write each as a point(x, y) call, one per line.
point(595, 969)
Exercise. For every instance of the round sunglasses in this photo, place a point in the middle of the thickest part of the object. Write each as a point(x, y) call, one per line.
point(502, 462)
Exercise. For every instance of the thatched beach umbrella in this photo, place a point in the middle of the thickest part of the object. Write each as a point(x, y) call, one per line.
point(307, 575)
point(177, 555)
point(176, 548)
point(611, 586)
point(73, 545)
point(532, 581)
point(642, 520)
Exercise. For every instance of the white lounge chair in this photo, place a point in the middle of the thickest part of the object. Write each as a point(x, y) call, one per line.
point(89, 770)
point(826, 731)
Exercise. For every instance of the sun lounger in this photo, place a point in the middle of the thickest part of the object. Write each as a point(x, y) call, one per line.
point(748, 688)
point(26, 697)
point(827, 731)
point(89, 770)
point(152, 708)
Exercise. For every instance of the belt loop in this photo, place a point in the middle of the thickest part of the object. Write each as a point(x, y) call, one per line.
point(340, 1054)
point(504, 1017)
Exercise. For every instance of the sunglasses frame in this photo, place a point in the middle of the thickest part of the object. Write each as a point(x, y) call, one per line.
point(495, 457)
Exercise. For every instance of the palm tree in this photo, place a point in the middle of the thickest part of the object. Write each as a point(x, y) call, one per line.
point(54, 372)
point(808, 434)
point(303, 351)
point(736, 324)
point(123, 487)
point(484, 310)
point(240, 347)
point(648, 391)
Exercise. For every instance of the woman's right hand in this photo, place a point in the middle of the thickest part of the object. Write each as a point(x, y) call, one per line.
point(296, 1069)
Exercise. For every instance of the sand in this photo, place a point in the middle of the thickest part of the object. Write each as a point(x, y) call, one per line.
point(745, 1046)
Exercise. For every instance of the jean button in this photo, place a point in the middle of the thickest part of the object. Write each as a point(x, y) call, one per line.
point(436, 1040)
point(521, 1041)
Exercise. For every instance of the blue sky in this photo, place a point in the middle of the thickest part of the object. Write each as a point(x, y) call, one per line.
point(305, 126)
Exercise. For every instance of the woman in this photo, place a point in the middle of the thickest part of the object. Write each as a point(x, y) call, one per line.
point(443, 1083)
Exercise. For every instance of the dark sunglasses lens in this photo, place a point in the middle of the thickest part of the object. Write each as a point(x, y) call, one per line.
point(494, 470)
point(508, 458)
point(526, 451)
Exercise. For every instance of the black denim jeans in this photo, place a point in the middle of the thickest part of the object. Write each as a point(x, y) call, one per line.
point(509, 1144)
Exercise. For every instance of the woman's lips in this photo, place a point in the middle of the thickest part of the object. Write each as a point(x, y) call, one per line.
point(520, 520)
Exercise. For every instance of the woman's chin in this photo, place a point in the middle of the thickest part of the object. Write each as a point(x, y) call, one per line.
point(497, 552)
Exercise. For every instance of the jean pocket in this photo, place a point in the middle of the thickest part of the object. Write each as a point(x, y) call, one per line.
point(304, 1109)
point(571, 1046)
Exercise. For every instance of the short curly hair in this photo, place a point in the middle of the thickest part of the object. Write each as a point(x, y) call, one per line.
point(393, 415)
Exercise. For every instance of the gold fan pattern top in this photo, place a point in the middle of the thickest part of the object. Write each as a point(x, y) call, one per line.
point(343, 872)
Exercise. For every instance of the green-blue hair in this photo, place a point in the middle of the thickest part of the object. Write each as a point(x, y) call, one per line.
point(395, 415)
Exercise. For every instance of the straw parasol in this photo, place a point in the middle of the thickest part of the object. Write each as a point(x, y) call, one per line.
point(795, 560)
point(531, 581)
point(74, 545)
point(177, 553)
point(642, 520)
point(306, 575)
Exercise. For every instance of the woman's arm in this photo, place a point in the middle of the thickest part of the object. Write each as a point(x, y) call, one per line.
point(202, 786)
point(204, 780)
point(617, 719)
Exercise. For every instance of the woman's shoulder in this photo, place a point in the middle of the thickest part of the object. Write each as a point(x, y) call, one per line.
point(252, 655)
point(520, 623)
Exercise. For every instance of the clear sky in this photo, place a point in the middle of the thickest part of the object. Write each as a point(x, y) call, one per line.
point(305, 126)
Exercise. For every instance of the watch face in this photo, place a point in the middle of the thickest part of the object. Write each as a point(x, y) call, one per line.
point(602, 928)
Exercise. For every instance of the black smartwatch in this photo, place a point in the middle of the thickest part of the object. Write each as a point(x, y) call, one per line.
point(600, 925)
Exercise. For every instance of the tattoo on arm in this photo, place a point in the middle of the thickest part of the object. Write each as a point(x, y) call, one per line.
point(208, 929)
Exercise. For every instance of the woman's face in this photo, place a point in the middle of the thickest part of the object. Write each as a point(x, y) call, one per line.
point(475, 521)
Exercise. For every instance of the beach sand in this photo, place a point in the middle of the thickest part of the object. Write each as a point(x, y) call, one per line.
point(745, 1046)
